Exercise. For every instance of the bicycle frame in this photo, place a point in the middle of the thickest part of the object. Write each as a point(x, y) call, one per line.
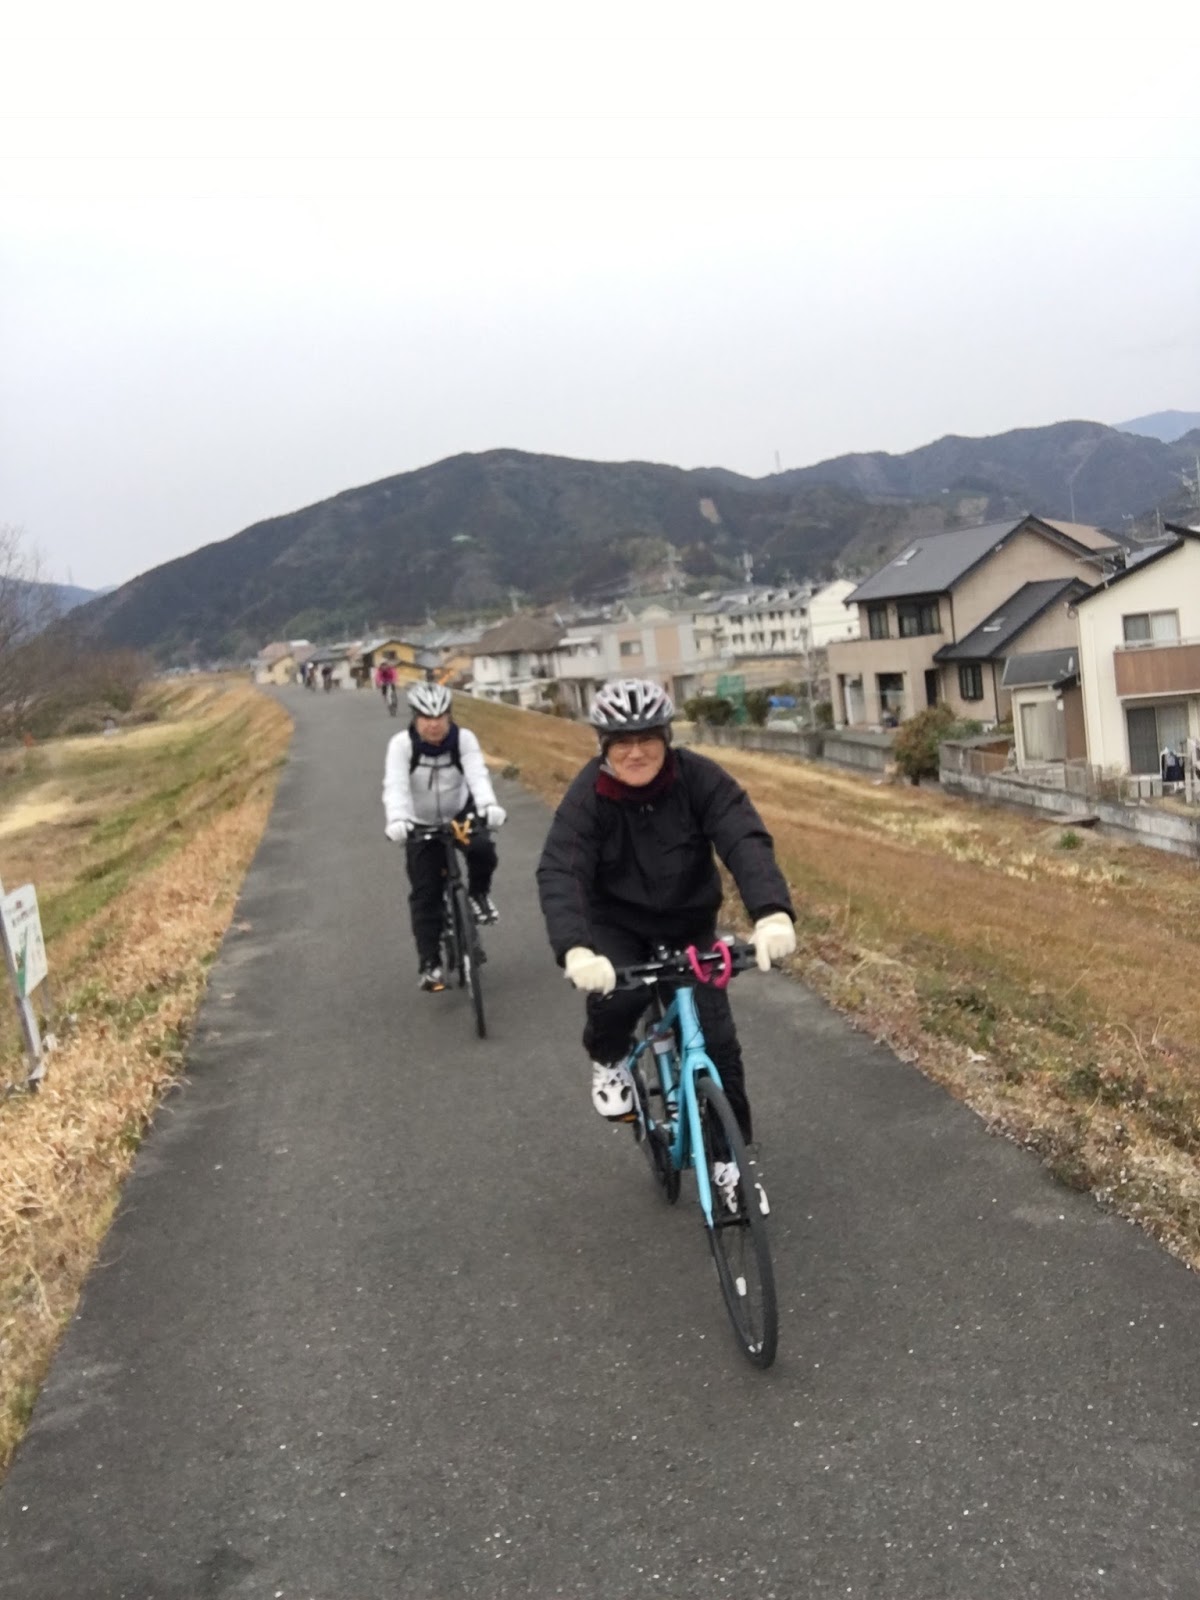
point(678, 1021)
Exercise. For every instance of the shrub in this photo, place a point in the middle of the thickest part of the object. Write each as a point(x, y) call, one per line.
point(823, 713)
point(1069, 840)
point(758, 703)
point(916, 745)
point(711, 708)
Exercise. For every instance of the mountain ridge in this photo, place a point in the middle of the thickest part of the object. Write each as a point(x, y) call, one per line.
point(474, 531)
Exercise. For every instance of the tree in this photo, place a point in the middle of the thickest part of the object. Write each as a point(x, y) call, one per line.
point(28, 606)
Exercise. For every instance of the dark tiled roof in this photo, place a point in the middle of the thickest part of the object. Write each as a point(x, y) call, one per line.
point(1040, 669)
point(935, 563)
point(518, 633)
point(932, 564)
point(992, 638)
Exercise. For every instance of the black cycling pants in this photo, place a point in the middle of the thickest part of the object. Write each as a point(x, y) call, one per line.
point(426, 859)
point(611, 1019)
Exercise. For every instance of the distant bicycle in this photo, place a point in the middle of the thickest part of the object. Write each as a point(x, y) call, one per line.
point(462, 948)
point(682, 1119)
point(392, 698)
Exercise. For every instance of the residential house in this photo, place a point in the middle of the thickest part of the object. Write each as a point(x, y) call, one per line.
point(390, 647)
point(277, 663)
point(446, 652)
point(1047, 707)
point(1036, 618)
point(1139, 649)
point(343, 659)
point(656, 644)
point(514, 661)
point(942, 590)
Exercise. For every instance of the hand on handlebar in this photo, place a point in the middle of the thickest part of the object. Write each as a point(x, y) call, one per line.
point(774, 938)
point(494, 816)
point(587, 971)
point(399, 831)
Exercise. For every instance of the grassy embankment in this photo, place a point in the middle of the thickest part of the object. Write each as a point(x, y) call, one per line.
point(137, 845)
point(1045, 976)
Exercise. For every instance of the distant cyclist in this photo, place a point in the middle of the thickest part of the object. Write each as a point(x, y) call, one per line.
point(628, 865)
point(385, 680)
point(434, 773)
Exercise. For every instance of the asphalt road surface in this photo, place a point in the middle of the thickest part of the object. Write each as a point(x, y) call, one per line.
point(388, 1311)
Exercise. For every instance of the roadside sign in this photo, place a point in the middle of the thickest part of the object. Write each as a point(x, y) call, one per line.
point(23, 935)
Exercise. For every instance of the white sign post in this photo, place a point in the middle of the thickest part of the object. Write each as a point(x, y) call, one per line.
point(25, 957)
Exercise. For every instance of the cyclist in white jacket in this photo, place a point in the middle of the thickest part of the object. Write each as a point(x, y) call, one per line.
point(435, 772)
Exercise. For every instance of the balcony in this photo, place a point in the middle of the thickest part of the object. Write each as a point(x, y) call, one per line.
point(1158, 667)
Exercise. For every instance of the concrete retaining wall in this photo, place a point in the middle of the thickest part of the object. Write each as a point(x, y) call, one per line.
point(867, 752)
point(1148, 825)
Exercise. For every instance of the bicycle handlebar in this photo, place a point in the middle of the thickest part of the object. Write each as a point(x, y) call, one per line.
point(446, 830)
point(716, 966)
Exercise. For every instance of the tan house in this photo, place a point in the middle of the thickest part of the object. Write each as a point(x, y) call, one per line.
point(938, 622)
point(277, 663)
point(1139, 646)
point(656, 644)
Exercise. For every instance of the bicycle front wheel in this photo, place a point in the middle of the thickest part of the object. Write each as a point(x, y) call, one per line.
point(739, 1242)
point(471, 959)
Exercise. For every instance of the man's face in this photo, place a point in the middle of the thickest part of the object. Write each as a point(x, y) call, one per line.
point(637, 758)
point(433, 729)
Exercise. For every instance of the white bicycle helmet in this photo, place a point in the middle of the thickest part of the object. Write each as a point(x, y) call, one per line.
point(631, 705)
point(429, 699)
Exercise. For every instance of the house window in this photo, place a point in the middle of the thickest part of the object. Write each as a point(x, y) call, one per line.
point(631, 647)
point(1150, 627)
point(970, 680)
point(1153, 729)
point(890, 688)
point(877, 622)
point(916, 617)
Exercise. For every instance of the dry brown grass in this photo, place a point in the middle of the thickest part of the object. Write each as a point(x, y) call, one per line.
point(1051, 988)
point(138, 876)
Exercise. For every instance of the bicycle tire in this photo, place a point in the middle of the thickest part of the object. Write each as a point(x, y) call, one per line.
point(470, 963)
point(450, 940)
point(739, 1243)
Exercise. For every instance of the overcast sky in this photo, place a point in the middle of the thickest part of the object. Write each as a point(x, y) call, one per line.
point(247, 262)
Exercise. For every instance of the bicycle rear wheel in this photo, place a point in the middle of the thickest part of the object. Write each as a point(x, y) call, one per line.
point(740, 1247)
point(471, 957)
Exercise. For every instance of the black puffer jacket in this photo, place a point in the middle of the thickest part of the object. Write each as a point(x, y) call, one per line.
point(647, 865)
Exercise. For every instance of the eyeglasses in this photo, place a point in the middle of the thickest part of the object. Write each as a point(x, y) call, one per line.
point(627, 741)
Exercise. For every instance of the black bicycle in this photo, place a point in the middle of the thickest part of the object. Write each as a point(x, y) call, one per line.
point(393, 699)
point(462, 948)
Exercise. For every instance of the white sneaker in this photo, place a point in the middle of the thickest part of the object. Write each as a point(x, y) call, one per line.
point(612, 1091)
point(725, 1180)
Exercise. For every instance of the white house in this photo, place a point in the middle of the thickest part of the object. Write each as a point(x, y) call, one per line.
point(1139, 651)
point(829, 617)
point(514, 661)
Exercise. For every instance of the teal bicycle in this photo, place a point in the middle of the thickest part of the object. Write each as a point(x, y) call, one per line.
point(682, 1119)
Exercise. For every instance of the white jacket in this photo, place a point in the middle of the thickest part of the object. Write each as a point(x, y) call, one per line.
point(436, 791)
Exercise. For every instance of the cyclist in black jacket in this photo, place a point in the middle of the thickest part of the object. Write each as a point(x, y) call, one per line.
point(628, 865)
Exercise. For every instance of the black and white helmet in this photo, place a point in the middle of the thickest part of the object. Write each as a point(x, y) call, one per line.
point(631, 705)
point(429, 699)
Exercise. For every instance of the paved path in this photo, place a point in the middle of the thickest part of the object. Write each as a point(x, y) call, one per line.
point(387, 1311)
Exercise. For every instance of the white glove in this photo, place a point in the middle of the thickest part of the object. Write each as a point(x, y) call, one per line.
point(495, 816)
point(397, 832)
point(589, 971)
point(774, 937)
